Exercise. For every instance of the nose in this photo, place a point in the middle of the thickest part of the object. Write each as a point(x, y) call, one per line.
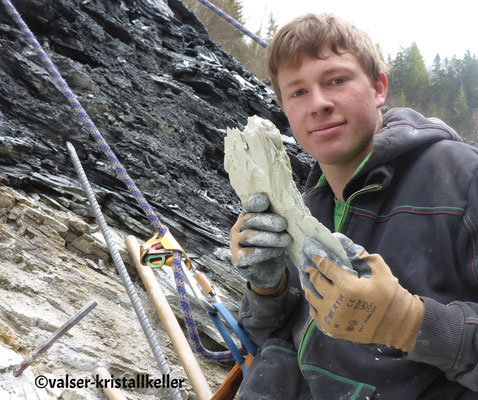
point(320, 101)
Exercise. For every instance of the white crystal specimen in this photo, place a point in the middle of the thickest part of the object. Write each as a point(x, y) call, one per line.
point(257, 163)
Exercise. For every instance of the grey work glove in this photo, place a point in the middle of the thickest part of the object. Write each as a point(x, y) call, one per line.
point(257, 244)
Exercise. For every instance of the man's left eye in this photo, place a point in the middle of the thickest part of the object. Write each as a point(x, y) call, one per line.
point(338, 81)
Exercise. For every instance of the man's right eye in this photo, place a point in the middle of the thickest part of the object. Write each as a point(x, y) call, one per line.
point(298, 93)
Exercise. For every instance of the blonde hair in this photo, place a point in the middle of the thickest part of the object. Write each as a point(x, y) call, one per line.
point(310, 34)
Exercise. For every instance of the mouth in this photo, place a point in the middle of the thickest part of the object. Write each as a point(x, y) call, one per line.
point(325, 129)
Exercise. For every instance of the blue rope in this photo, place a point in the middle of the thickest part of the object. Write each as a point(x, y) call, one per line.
point(229, 342)
point(123, 175)
point(223, 312)
point(232, 323)
point(235, 23)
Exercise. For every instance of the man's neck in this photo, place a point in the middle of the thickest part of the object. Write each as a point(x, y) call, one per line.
point(337, 178)
point(338, 175)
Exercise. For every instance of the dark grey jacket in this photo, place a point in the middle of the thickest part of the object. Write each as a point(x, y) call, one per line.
point(414, 202)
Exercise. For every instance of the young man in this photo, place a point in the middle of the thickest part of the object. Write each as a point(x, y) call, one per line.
point(403, 324)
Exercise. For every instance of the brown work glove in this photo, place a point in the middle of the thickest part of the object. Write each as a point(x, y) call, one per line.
point(258, 240)
point(364, 305)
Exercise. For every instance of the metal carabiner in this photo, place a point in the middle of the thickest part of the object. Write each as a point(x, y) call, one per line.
point(197, 291)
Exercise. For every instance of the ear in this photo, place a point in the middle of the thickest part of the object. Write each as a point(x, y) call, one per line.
point(380, 87)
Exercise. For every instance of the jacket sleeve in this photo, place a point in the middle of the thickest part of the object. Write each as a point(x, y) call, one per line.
point(448, 337)
point(265, 317)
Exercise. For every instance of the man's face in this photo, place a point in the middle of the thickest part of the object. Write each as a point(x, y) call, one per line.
point(332, 107)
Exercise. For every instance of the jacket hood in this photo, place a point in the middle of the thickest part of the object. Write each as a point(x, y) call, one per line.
point(404, 130)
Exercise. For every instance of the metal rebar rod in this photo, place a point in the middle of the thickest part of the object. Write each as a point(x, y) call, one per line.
point(53, 338)
point(128, 284)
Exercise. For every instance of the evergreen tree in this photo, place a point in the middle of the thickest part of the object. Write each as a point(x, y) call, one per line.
point(417, 79)
point(437, 72)
point(256, 62)
point(380, 53)
point(461, 116)
point(409, 76)
point(271, 28)
point(403, 99)
point(470, 76)
point(438, 106)
point(221, 31)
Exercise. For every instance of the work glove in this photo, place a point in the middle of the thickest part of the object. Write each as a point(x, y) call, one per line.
point(365, 304)
point(258, 239)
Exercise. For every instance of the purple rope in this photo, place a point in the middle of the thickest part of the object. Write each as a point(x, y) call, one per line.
point(123, 175)
point(235, 23)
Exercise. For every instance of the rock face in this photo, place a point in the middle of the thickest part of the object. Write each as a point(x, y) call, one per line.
point(162, 95)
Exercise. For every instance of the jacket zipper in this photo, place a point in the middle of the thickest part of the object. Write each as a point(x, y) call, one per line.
point(304, 340)
point(371, 188)
point(310, 325)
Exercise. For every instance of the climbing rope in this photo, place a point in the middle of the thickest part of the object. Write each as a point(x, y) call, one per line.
point(123, 175)
point(235, 23)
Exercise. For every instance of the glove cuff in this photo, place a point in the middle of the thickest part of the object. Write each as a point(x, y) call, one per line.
point(401, 323)
point(269, 292)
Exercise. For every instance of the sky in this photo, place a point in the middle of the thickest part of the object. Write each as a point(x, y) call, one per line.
point(445, 27)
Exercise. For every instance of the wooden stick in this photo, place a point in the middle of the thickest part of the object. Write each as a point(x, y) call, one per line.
point(171, 325)
point(112, 392)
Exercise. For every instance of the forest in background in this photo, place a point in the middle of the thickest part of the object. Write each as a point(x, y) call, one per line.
point(447, 90)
